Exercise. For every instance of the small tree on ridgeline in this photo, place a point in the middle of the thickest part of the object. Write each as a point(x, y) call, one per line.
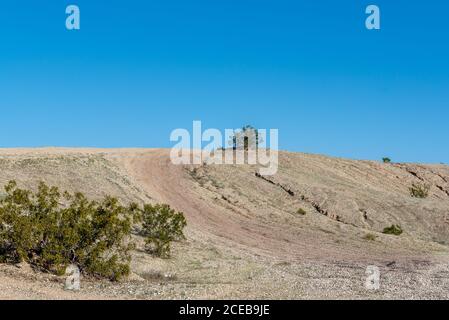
point(246, 138)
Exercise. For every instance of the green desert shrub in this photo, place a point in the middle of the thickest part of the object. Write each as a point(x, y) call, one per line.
point(161, 225)
point(301, 212)
point(394, 230)
point(386, 160)
point(51, 230)
point(419, 190)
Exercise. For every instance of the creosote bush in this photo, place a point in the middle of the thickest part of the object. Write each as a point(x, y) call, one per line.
point(394, 230)
point(50, 230)
point(419, 190)
point(301, 212)
point(161, 226)
point(386, 160)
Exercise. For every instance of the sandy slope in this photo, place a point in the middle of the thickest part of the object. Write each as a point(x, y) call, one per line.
point(245, 239)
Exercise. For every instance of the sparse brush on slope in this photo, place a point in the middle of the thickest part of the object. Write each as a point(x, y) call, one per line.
point(395, 230)
point(96, 236)
point(161, 226)
point(419, 190)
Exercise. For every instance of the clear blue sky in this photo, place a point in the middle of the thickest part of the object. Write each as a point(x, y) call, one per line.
point(138, 69)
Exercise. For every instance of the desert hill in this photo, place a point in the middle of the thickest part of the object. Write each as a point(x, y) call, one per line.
point(246, 234)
